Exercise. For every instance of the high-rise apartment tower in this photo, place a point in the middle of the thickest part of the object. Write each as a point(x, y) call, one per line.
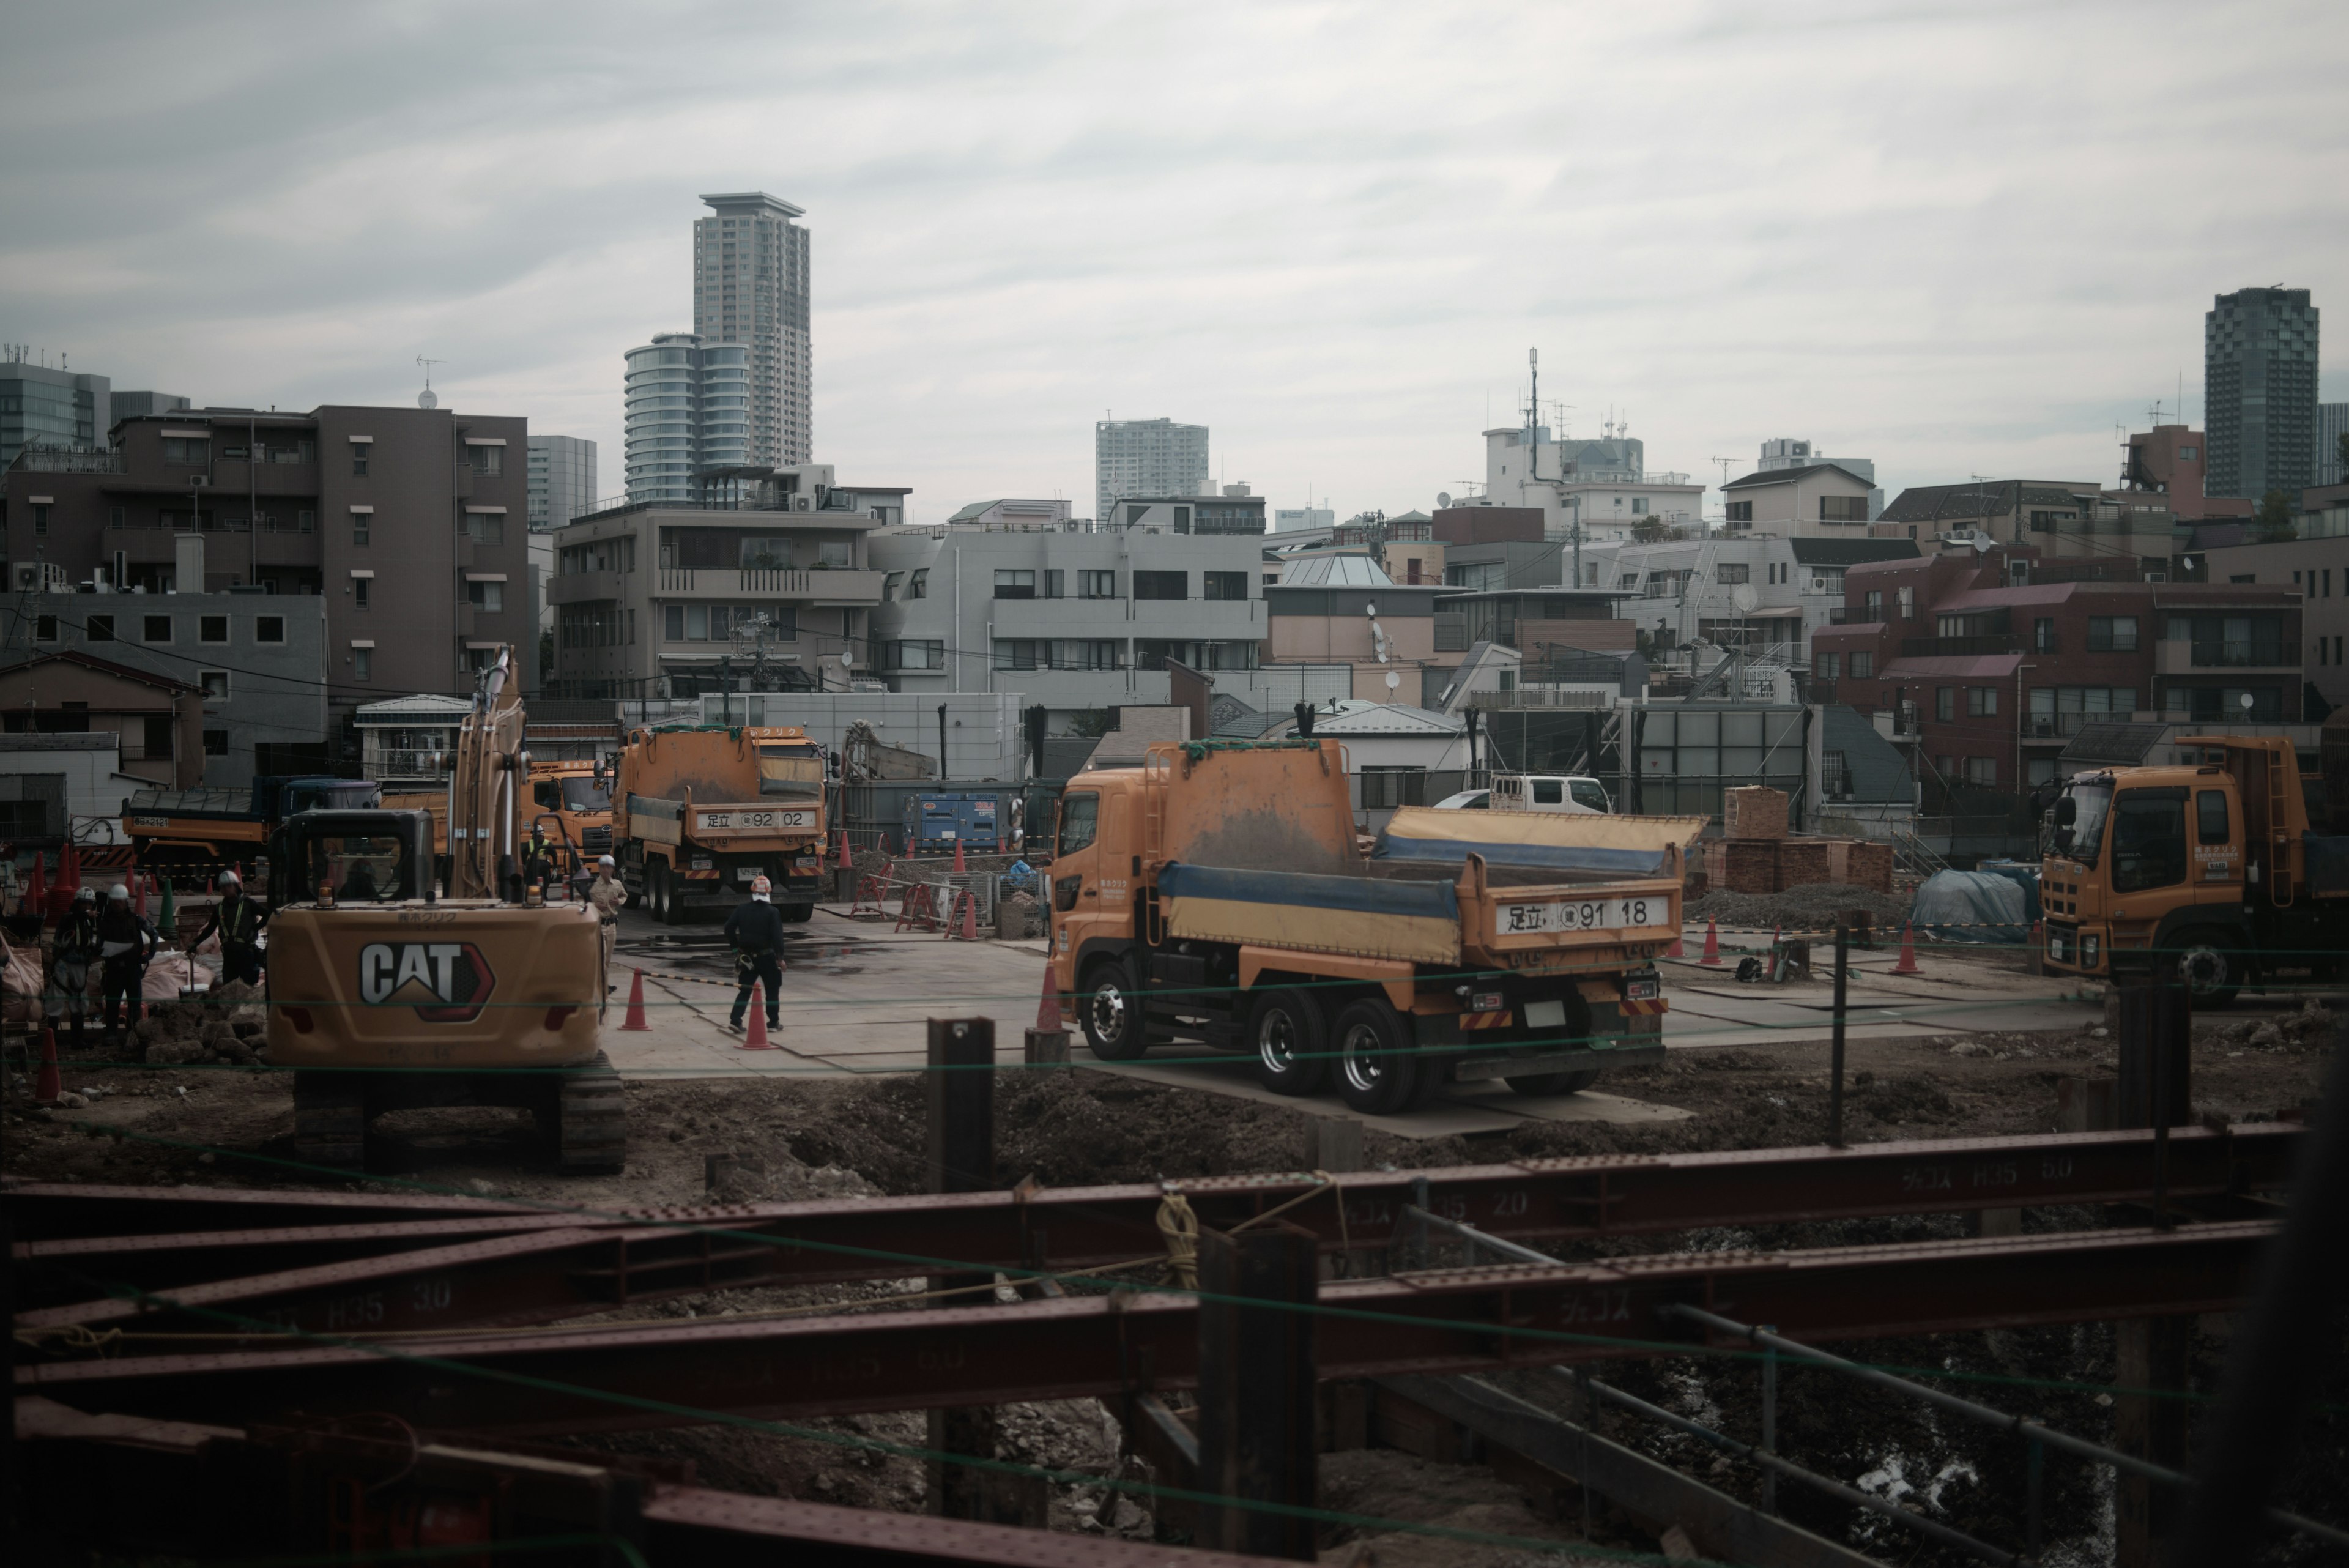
point(1147, 457)
point(2259, 391)
point(750, 286)
point(687, 410)
point(2332, 425)
point(562, 479)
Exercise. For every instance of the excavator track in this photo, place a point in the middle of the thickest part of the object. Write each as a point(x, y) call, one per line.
point(330, 1117)
point(592, 1118)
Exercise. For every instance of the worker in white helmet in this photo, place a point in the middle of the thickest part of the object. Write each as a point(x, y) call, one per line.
point(756, 931)
point(126, 942)
point(608, 895)
point(238, 920)
point(75, 949)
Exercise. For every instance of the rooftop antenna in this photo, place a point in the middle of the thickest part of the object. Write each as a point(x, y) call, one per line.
point(425, 400)
point(1724, 463)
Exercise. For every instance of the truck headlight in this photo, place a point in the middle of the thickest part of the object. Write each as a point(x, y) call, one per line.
point(2088, 953)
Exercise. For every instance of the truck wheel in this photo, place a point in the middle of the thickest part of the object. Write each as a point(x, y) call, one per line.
point(669, 908)
point(1110, 1004)
point(1376, 1072)
point(1284, 1029)
point(330, 1120)
point(798, 914)
point(2213, 971)
point(1553, 1083)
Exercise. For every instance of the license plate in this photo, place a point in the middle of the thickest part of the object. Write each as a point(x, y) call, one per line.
point(1583, 915)
point(749, 821)
point(2059, 949)
point(1544, 1014)
point(746, 873)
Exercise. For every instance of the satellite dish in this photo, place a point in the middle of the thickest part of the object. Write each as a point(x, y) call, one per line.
point(1444, 498)
point(2246, 701)
point(1393, 681)
point(428, 399)
point(846, 659)
point(1744, 596)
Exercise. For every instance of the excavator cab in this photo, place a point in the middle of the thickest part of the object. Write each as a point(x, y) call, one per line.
point(333, 857)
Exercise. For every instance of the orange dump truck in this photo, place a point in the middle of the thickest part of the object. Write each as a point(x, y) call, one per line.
point(1217, 893)
point(700, 812)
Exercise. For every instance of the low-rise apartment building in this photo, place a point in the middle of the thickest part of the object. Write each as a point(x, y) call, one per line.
point(2319, 569)
point(408, 522)
point(768, 575)
point(1816, 500)
point(2058, 519)
point(1992, 671)
point(1689, 589)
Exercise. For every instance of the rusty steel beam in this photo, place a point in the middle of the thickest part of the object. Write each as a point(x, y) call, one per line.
point(1459, 1320)
point(548, 1267)
point(46, 1210)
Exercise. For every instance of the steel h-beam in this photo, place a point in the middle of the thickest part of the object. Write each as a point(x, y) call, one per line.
point(1256, 1390)
point(613, 1377)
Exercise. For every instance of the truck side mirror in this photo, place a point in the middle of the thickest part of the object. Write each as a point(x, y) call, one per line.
point(2067, 811)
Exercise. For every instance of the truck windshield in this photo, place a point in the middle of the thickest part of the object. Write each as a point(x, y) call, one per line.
point(2091, 802)
point(586, 795)
point(1589, 792)
point(794, 771)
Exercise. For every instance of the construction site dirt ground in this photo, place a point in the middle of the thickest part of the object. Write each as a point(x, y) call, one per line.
point(800, 1135)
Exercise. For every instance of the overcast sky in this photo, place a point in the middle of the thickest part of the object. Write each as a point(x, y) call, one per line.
point(1959, 239)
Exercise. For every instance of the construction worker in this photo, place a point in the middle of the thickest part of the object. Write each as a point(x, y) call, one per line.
point(756, 931)
point(76, 950)
point(537, 859)
point(125, 944)
point(608, 895)
point(238, 920)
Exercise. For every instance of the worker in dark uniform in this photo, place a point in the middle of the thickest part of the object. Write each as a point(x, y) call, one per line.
point(238, 920)
point(76, 950)
point(756, 931)
point(125, 944)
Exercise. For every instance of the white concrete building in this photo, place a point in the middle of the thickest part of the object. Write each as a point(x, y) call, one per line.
point(1815, 500)
point(1787, 451)
point(1689, 589)
point(1602, 484)
point(53, 784)
point(1147, 457)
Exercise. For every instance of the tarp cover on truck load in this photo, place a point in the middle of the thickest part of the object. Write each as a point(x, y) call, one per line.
point(1624, 845)
point(1368, 915)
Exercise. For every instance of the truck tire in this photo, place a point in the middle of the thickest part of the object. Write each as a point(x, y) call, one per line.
point(1285, 1031)
point(330, 1119)
point(2213, 968)
point(672, 901)
point(1109, 1004)
point(1376, 1070)
point(798, 914)
point(591, 1119)
point(1553, 1083)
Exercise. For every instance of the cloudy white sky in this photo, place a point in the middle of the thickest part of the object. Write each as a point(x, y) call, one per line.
point(1959, 239)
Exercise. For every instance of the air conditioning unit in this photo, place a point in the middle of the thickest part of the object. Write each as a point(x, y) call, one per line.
point(2157, 576)
point(1821, 586)
point(803, 503)
point(41, 578)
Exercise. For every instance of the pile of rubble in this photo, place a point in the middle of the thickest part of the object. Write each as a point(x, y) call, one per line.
point(229, 1024)
point(2312, 1025)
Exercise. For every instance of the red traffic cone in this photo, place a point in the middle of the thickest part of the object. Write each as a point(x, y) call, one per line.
point(960, 870)
point(637, 1003)
point(1712, 944)
point(1048, 1011)
point(754, 1035)
point(847, 861)
point(36, 889)
point(1908, 965)
point(46, 1085)
point(70, 870)
point(138, 894)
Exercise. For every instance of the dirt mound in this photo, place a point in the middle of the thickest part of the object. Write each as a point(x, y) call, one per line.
point(1812, 906)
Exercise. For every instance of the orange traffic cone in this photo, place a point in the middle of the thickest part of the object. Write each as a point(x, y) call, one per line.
point(1908, 965)
point(960, 870)
point(1712, 944)
point(754, 1036)
point(46, 1085)
point(637, 1003)
point(969, 918)
point(1048, 1011)
point(138, 894)
point(847, 861)
point(36, 889)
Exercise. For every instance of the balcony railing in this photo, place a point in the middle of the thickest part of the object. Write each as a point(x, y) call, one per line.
point(68, 460)
point(1957, 646)
point(1842, 615)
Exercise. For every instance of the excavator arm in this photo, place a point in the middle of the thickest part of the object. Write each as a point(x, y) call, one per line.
point(487, 772)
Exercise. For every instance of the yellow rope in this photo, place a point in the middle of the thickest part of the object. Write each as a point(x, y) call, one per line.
point(1180, 1227)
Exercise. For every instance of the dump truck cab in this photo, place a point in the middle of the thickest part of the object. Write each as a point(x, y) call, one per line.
point(700, 812)
point(571, 802)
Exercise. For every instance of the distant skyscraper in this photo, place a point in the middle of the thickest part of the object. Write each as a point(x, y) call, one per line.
point(2332, 424)
point(2259, 391)
point(1147, 457)
point(750, 286)
point(1303, 517)
point(562, 479)
point(686, 411)
point(45, 407)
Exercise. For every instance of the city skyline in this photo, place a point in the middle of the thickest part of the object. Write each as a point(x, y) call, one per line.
point(1340, 301)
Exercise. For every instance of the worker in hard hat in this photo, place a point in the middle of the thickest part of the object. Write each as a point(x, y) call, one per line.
point(238, 920)
point(608, 895)
point(75, 949)
point(756, 931)
point(125, 944)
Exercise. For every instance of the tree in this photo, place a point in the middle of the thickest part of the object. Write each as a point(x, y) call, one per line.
point(1089, 723)
point(1650, 530)
point(2273, 519)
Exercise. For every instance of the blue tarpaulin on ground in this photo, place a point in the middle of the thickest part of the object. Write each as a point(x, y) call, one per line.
point(1972, 906)
point(2023, 874)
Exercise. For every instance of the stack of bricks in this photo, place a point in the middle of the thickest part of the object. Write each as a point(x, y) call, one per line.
point(1756, 855)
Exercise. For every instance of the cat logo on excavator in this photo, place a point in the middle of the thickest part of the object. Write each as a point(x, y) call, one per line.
point(446, 982)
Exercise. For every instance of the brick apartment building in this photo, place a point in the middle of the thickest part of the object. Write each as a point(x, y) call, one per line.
point(1993, 668)
point(410, 521)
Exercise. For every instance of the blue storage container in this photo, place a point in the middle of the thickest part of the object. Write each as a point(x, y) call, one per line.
point(937, 823)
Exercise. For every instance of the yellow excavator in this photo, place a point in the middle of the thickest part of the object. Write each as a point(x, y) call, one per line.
point(388, 992)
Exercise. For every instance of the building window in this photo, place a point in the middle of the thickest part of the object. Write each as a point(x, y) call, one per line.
point(486, 461)
point(1982, 701)
point(1181, 520)
point(45, 628)
point(118, 516)
point(1014, 583)
point(1385, 788)
point(362, 529)
point(1226, 586)
point(1945, 703)
point(359, 450)
point(362, 663)
point(2244, 577)
point(40, 517)
point(190, 451)
point(1983, 770)
point(2112, 633)
point(1728, 575)
point(1827, 666)
point(1874, 602)
point(1021, 653)
point(1741, 511)
point(361, 590)
point(215, 743)
point(917, 586)
point(1907, 604)
point(1161, 585)
point(2040, 771)
point(1097, 585)
point(2043, 635)
point(486, 527)
point(306, 521)
point(1053, 579)
point(916, 653)
point(1638, 505)
point(487, 597)
point(1843, 508)
point(97, 628)
point(1863, 666)
point(216, 684)
point(269, 628)
point(890, 585)
point(1835, 775)
point(156, 629)
point(161, 742)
